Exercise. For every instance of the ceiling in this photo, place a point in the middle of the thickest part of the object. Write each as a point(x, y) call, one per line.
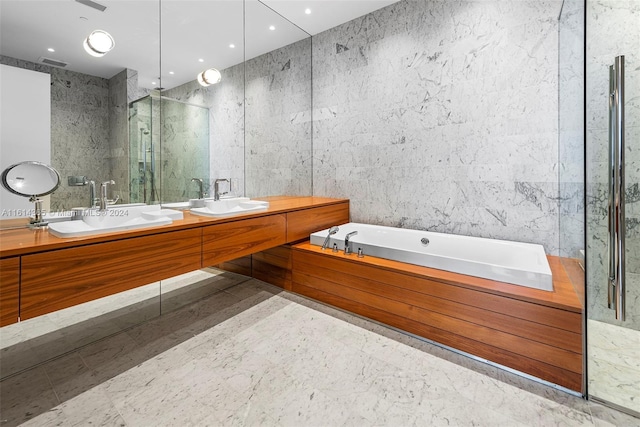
point(168, 35)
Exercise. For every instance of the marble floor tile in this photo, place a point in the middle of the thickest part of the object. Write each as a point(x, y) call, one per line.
point(25, 396)
point(254, 355)
point(69, 376)
point(614, 364)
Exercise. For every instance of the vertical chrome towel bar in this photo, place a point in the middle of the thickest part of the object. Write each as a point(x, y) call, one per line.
point(616, 285)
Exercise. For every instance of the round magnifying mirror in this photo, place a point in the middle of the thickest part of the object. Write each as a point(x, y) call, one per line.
point(30, 179)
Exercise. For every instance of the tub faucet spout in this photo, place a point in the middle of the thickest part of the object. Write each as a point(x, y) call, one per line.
point(333, 230)
point(347, 248)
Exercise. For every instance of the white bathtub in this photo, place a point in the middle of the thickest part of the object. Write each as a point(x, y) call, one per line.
point(523, 264)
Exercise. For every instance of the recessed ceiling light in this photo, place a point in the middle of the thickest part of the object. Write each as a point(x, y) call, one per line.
point(51, 49)
point(98, 43)
point(232, 46)
point(200, 60)
point(271, 27)
point(171, 72)
point(307, 11)
point(153, 83)
point(209, 77)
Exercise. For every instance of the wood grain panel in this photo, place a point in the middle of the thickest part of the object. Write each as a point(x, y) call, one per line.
point(533, 333)
point(496, 320)
point(273, 274)
point(300, 224)
point(575, 273)
point(565, 378)
point(279, 256)
point(9, 290)
point(59, 279)
point(538, 312)
point(563, 296)
point(240, 265)
point(274, 266)
point(26, 241)
point(525, 347)
point(225, 242)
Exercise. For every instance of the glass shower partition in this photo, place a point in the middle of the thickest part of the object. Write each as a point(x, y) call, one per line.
point(571, 146)
point(613, 208)
point(163, 164)
point(144, 120)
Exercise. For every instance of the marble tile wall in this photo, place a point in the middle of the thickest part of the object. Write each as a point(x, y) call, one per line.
point(278, 122)
point(612, 30)
point(571, 128)
point(79, 133)
point(443, 115)
point(184, 151)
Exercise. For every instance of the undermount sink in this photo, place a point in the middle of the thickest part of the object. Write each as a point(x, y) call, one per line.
point(233, 206)
point(114, 218)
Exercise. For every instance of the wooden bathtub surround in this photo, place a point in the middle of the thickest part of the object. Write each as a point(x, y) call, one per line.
point(271, 266)
point(41, 273)
point(530, 330)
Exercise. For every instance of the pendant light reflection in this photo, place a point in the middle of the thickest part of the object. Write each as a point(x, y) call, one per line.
point(209, 77)
point(98, 43)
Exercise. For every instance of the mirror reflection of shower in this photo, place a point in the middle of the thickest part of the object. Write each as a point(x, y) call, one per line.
point(147, 162)
point(168, 145)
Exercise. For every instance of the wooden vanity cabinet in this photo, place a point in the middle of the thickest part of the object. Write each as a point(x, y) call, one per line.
point(273, 265)
point(9, 290)
point(44, 277)
point(224, 242)
point(63, 278)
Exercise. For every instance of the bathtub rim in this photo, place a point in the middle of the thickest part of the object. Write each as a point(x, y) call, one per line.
point(471, 264)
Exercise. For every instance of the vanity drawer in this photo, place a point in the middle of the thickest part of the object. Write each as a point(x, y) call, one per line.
point(63, 278)
point(224, 242)
point(9, 290)
point(302, 223)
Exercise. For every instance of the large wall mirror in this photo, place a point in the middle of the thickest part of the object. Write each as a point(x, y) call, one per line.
point(89, 95)
point(139, 115)
point(278, 104)
point(253, 126)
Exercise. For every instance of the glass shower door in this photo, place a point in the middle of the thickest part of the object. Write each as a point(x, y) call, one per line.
point(613, 203)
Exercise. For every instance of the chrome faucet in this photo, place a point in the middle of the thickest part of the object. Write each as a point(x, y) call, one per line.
point(333, 230)
point(93, 201)
point(216, 188)
point(104, 201)
point(200, 188)
point(347, 248)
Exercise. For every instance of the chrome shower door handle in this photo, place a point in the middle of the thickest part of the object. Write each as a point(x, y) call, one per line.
point(611, 213)
point(616, 279)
